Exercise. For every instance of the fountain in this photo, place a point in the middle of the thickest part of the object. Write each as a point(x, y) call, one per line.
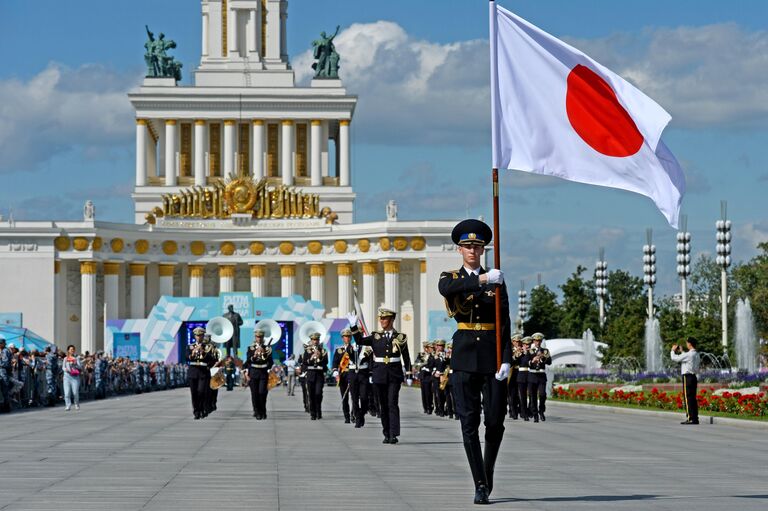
point(745, 339)
point(588, 347)
point(653, 349)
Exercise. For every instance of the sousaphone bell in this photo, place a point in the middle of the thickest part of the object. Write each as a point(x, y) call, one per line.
point(272, 331)
point(220, 329)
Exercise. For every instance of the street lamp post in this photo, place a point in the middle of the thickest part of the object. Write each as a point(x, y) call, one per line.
point(522, 306)
point(724, 261)
point(601, 283)
point(684, 262)
point(649, 269)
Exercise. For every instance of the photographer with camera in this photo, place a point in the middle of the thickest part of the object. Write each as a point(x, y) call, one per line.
point(689, 368)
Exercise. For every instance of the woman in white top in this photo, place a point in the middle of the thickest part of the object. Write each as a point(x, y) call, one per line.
point(72, 369)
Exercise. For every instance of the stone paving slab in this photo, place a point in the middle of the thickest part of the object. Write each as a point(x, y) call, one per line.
point(146, 452)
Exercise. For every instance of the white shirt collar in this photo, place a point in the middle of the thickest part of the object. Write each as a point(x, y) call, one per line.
point(470, 271)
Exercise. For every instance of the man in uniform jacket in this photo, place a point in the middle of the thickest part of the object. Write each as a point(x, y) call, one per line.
point(258, 362)
point(513, 395)
point(342, 373)
point(315, 364)
point(470, 294)
point(390, 354)
point(426, 365)
point(201, 358)
point(537, 377)
point(439, 367)
point(523, 360)
point(359, 384)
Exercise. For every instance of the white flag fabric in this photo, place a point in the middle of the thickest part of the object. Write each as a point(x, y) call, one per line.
point(557, 112)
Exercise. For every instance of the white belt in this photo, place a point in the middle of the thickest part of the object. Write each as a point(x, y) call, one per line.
point(315, 367)
point(259, 366)
point(198, 364)
point(538, 371)
point(386, 360)
point(425, 369)
point(351, 366)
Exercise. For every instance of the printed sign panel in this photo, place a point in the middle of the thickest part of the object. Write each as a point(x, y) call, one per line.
point(440, 325)
point(127, 345)
point(10, 319)
point(241, 302)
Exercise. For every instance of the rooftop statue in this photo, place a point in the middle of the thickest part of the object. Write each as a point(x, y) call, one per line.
point(159, 63)
point(327, 65)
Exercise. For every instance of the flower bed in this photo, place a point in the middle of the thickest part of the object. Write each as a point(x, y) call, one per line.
point(731, 403)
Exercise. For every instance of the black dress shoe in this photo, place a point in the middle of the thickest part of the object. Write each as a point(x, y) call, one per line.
point(393, 440)
point(197, 416)
point(386, 440)
point(689, 422)
point(526, 419)
point(535, 418)
point(255, 414)
point(481, 494)
point(541, 414)
point(347, 421)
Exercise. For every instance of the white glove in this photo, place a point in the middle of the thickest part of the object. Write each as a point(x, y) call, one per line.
point(495, 276)
point(409, 381)
point(503, 373)
point(335, 374)
point(352, 319)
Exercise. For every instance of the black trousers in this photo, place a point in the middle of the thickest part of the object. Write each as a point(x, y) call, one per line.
point(427, 400)
point(304, 394)
point(690, 383)
point(199, 378)
point(439, 396)
point(522, 392)
point(513, 396)
point(476, 393)
point(258, 380)
point(343, 387)
point(315, 392)
point(537, 396)
point(358, 389)
point(230, 381)
point(389, 405)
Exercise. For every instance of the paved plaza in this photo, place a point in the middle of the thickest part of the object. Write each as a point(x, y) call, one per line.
point(146, 452)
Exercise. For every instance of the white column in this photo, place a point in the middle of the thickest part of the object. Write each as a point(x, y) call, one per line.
point(205, 35)
point(226, 278)
point(258, 280)
point(88, 310)
point(324, 148)
point(315, 169)
point(232, 32)
point(138, 289)
point(369, 294)
point(60, 293)
point(345, 288)
point(273, 30)
point(196, 272)
point(257, 151)
point(165, 277)
point(287, 279)
point(112, 290)
point(229, 148)
point(171, 148)
point(392, 287)
point(424, 320)
point(286, 153)
point(253, 33)
point(200, 144)
point(317, 282)
point(141, 152)
point(344, 153)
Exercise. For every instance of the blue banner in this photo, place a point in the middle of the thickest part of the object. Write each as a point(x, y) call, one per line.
point(241, 302)
point(127, 345)
point(10, 319)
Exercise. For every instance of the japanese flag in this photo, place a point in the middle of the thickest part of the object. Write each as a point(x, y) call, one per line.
point(557, 112)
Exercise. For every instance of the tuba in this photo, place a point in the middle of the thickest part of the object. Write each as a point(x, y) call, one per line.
point(272, 331)
point(310, 327)
point(220, 328)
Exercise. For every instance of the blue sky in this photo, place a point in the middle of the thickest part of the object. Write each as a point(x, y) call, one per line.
point(421, 130)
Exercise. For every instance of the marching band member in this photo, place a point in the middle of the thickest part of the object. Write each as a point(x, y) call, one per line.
point(359, 384)
point(513, 395)
point(315, 364)
point(425, 365)
point(390, 353)
point(340, 367)
point(524, 360)
point(258, 362)
point(439, 373)
point(537, 377)
point(470, 295)
point(201, 359)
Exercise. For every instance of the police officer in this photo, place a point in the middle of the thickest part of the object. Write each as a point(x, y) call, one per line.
point(359, 384)
point(523, 359)
point(258, 361)
point(537, 377)
point(425, 363)
point(51, 374)
point(342, 358)
point(470, 294)
point(201, 359)
point(513, 396)
point(390, 353)
point(315, 365)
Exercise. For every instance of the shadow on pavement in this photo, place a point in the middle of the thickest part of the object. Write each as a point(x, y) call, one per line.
point(581, 498)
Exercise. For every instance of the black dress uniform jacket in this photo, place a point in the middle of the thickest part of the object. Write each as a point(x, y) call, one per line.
point(386, 348)
point(470, 302)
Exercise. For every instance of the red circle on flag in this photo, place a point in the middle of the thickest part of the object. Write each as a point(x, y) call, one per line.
point(597, 116)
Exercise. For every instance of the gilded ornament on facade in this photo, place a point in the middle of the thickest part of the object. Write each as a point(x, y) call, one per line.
point(137, 269)
point(80, 244)
point(418, 243)
point(363, 245)
point(88, 267)
point(117, 245)
point(400, 243)
point(344, 269)
point(111, 268)
point(391, 266)
point(288, 270)
point(141, 246)
point(317, 270)
point(169, 247)
point(314, 247)
point(258, 270)
point(197, 248)
point(227, 248)
point(227, 271)
point(257, 248)
point(73, 318)
point(369, 268)
point(243, 195)
point(286, 248)
point(384, 243)
point(196, 270)
point(166, 270)
point(423, 266)
point(61, 243)
point(340, 246)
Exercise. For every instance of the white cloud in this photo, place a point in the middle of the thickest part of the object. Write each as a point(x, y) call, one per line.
point(61, 108)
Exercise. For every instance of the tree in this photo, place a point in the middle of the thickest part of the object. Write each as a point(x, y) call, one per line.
point(579, 309)
point(625, 316)
point(751, 281)
point(544, 314)
point(706, 329)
